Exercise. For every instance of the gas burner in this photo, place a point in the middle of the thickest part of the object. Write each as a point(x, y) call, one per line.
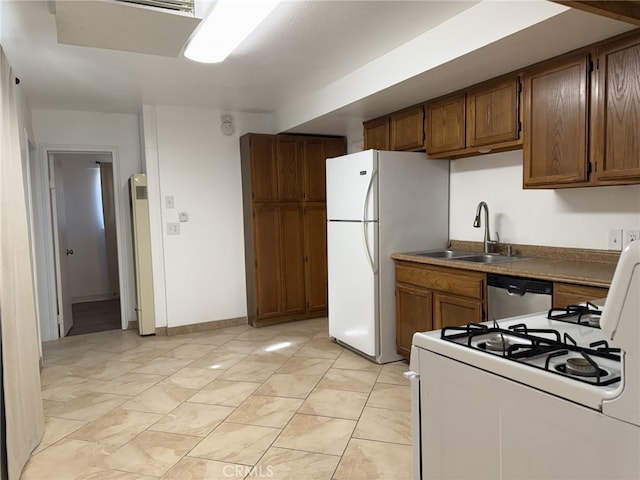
point(581, 367)
point(496, 343)
point(584, 314)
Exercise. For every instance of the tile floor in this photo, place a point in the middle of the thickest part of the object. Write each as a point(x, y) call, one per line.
point(280, 402)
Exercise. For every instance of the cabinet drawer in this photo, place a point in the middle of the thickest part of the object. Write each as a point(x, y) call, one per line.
point(450, 280)
point(567, 294)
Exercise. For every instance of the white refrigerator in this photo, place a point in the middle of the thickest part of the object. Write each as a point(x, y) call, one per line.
point(378, 203)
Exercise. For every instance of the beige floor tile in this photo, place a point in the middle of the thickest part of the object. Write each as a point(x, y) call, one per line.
point(236, 443)
point(214, 337)
point(200, 469)
point(257, 334)
point(334, 403)
point(218, 360)
point(163, 365)
point(65, 460)
point(196, 419)
point(106, 371)
point(84, 355)
point(50, 406)
point(393, 373)
point(351, 361)
point(316, 434)
point(116, 427)
point(189, 350)
point(394, 397)
point(225, 392)
point(55, 373)
point(196, 378)
point(265, 411)
point(285, 464)
point(306, 366)
point(319, 348)
point(161, 398)
point(278, 356)
point(141, 354)
point(240, 346)
point(68, 389)
point(56, 429)
point(352, 380)
point(384, 425)
point(129, 384)
point(250, 371)
point(101, 473)
point(364, 459)
point(294, 386)
point(151, 453)
point(88, 407)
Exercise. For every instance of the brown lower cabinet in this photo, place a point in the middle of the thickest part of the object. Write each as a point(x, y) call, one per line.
point(430, 297)
point(569, 294)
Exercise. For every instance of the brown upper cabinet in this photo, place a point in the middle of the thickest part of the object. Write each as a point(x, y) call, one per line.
point(400, 131)
point(582, 117)
point(480, 119)
point(555, 122)
point(615, 147)
point(376, 134)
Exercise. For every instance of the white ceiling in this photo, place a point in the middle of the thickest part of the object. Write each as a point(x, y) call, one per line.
point(303, 63)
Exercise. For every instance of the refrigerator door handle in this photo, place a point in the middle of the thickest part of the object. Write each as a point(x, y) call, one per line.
point(365, 223)
point(365, 226)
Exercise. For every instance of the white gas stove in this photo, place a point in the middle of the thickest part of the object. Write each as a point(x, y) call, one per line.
point(549, 395)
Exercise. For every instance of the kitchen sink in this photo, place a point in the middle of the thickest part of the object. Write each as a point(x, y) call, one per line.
point(445, 254)
point(491, 258)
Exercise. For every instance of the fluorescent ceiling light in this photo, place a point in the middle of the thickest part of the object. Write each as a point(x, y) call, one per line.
point(228, 24)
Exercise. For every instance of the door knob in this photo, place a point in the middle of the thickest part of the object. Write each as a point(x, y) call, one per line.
point(69, 252)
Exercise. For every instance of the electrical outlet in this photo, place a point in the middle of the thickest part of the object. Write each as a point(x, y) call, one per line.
point(615, 239)
point(631, 236)
point(173, 228)
point(183, 216)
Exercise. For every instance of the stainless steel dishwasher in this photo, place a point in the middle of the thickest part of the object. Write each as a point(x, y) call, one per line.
point(509, 296)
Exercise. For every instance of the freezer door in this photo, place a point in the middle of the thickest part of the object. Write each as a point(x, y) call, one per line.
point(353, 285)
point(352, 187)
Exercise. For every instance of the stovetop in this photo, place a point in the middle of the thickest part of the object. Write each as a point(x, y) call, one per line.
point(562, 351)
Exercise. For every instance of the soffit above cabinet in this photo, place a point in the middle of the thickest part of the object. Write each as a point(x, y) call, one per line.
point(128, 27)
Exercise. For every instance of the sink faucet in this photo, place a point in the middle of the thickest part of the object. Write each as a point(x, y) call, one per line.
point(476, 224)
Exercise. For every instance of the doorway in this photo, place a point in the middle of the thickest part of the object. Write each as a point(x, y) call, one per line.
point(84, 232)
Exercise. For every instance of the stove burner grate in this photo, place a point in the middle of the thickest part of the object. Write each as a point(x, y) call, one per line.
point(588, 314)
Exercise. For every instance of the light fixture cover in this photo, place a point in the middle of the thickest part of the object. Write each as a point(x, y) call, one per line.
point(228, 24)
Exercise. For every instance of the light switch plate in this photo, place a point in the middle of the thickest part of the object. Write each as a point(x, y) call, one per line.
point(168, 201)
point(615, 239)
point(631, 236)
point(183, 216)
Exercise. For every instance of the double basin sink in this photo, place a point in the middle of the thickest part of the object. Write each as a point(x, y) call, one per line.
point(465, 256)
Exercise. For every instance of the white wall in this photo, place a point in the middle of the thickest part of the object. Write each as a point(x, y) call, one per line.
point(188, 158)
point(575, 217)
point(91, 131)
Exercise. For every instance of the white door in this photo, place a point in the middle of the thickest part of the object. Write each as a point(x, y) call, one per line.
point(352, 187)
point(353, 284)
point(61, 252)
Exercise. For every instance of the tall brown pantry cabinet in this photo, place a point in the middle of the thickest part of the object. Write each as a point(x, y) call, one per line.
point(283, 185)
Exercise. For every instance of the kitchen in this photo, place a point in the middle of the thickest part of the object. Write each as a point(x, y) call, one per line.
point(575, 218)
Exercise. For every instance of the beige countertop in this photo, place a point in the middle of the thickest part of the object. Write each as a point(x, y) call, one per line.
point(578, 266)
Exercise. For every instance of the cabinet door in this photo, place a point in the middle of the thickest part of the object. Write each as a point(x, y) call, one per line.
point(314, 170)
point(445, 125)
point(315, 231)
point(452, 311)
point(264, 170)
point(616, 148)
point(413, 314)
point(555, 123)
point(292, 238)
point(289, 161)
point(407, 129)
point(376, 134)
point(492, 113)
point(268, 254)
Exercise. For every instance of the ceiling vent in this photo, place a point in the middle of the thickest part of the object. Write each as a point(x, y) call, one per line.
point(154, 27)
point(173, 5)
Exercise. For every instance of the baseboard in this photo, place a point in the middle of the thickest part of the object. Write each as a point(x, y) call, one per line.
point(93, 298)
point(200, 327)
